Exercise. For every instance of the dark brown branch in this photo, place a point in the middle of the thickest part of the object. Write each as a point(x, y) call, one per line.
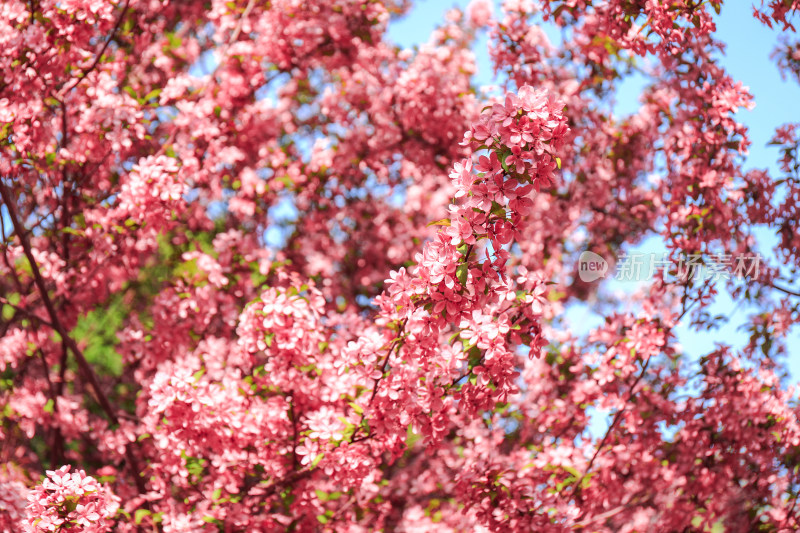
point(271, 489)
point(99, 55)
point(293, 416)
point(614, 422)
point(396, 343)
point(7, 261)
point(64, 182)
point(57, 447)
point(618, 416)
point(83, 364)
point(785, 290)
point(25, 312)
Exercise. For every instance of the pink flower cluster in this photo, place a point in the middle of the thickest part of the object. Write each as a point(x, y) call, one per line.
point(152, 191)
point(70, 502)
point(461, 281)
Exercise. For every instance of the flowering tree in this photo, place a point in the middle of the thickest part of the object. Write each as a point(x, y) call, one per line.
point(262, 270)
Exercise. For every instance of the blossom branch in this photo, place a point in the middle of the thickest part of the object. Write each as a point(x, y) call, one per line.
point(98, 56)
point(84, 365)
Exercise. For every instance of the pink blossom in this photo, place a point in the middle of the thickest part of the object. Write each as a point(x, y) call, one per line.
point(70, 501)
point(479, 12)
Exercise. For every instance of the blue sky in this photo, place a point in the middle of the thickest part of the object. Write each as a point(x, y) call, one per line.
point(748, 47)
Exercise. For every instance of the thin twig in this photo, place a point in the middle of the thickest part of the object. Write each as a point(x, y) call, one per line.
point(98, 57)
point(784, 290)
point(235, 35)
point(83, 364)
point(396, 343)
point(631, 392)
point(25, 312)
point(617, 418)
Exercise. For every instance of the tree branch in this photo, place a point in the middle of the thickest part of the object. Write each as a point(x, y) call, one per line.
point(99, 55)
point(784, 290)
point(83, 364)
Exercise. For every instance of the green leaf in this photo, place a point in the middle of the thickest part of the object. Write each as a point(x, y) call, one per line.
point(411, 437)
point(140, 514)
point(316, 460)
point(174, 40)
point(440, 222)
point(498, 210)
point(152, 94)
point(98, 329)
point(503, 162)
point(462, 273)
point(72, 231)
